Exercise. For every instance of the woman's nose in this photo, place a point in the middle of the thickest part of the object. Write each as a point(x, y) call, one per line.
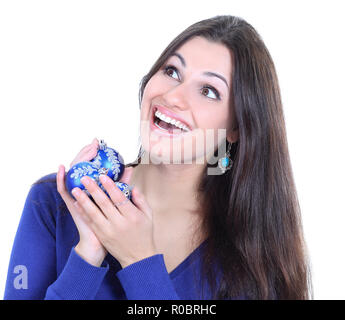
point(177, 97)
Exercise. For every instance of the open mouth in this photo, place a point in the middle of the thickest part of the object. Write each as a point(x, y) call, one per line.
point(167, 124)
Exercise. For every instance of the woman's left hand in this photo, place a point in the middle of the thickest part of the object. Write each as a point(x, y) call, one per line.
point(125, 230)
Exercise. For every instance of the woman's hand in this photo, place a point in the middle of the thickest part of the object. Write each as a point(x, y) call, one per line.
point(125, 229)
point(87, 153)
point(89, 247)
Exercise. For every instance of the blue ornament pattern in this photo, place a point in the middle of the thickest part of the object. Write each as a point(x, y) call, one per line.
point(125, 188)
point(84, 170)
point(108, 161)
point(78, 171)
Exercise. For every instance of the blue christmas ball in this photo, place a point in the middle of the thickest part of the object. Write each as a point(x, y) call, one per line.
point(109, 162)
point(78, 171)
point(124, 187)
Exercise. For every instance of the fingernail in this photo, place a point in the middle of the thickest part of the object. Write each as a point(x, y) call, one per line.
point(75, 191)
point(85, 181)
point(102, 178)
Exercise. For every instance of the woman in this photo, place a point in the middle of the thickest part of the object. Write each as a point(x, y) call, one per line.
point(199, 229)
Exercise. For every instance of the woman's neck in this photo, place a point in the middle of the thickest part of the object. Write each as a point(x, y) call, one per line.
point(170, 189)
point(171, 192)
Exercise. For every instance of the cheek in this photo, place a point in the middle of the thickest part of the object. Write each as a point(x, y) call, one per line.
point(153, 88)
point(148, 95)
point(212, 119)
point(214, 125)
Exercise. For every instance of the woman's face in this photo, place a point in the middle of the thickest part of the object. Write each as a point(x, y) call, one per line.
point(187, 89)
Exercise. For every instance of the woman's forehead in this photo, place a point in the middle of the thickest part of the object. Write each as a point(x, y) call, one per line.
point(200, 53)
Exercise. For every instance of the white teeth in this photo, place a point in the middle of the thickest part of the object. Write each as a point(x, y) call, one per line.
point(168, 119)
point(174, 122)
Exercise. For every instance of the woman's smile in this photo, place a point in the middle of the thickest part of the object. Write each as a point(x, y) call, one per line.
point(170, 126)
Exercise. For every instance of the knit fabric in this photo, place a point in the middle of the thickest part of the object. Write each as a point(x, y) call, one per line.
point(44, 249)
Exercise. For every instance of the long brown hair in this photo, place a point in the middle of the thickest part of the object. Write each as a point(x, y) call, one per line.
point(251, 212)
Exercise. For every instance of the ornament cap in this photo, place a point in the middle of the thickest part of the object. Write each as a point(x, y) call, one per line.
point(102, 145)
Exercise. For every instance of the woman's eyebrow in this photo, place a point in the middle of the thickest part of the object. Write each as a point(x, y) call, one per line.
point(207, 73)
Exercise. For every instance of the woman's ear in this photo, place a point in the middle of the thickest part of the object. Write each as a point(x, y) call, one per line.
point(232, 135)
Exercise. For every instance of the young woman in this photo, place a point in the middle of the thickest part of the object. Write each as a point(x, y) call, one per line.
point(198, 229)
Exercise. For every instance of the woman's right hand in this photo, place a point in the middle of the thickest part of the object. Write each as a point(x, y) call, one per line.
point(89, 247)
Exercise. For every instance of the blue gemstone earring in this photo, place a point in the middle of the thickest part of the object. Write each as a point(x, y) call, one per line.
point(225, 163)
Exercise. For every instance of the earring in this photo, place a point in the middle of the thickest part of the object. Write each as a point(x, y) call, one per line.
point(225, 163)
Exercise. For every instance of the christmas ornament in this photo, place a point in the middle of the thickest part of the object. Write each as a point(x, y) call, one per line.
point(124, 187)
point(107, 161)
point(78, 171)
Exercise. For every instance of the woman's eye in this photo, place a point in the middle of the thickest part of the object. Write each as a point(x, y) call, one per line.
point(213, 91)
point(169, 70)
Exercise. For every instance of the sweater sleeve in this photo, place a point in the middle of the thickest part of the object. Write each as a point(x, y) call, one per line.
point(79, 280)
point(147, 279)
point(32, 268)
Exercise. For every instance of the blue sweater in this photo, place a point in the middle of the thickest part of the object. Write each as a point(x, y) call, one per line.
point(44, 264)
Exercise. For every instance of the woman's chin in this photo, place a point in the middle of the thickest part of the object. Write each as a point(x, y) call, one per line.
point(160, 154)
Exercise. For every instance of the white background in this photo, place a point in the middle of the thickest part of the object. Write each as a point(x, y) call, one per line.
point(70, 71)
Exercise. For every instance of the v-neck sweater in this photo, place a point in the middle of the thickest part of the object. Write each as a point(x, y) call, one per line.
point(45, 265)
